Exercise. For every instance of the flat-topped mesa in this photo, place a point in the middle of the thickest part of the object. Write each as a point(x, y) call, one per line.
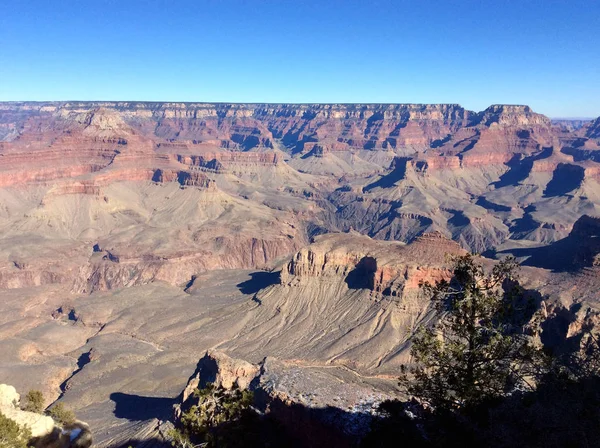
point(434, 245)
point(73, 187)
point(297, 127)
point(502, 114)
point(512, 115)
point(383, 267)
point(241, 110)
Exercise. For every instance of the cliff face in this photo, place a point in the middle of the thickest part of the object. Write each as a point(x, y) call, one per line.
point(245, 126)
point(512, 115)
point(592, 130)
point(315, 407)
point(143, 110)
point(390, 171)
point(388, 269)
point(488, 137)
point(104, 132)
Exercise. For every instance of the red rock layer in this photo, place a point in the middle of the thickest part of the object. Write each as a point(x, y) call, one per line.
point(386, 268)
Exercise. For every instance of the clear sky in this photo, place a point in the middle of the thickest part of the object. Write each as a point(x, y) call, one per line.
point(545, 53)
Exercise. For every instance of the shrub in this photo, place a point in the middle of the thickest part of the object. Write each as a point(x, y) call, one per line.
point(62, 414)
point(12, 435)
point(179, 440)
point(220, 418)
point(217, 407)
point(34, 402)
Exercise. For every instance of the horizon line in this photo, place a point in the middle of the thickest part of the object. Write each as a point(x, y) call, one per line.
point(239, 103)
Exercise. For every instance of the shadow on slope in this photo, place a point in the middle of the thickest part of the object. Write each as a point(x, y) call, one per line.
point(363, 274)
point(258, 280)
point(565, 178)
point(520, 168)
point(488, 205)
point(578, 250)
point(524, 225)
point(398, 172)
point(139, 408)
point(558, 256)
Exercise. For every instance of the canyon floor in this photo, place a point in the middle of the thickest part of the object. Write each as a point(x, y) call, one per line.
point(134, 237)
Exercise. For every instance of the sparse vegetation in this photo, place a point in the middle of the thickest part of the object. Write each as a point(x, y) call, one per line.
point(225, 418)
point(61, 414)
point(217, 408)
point(12, 435)
point(34, 402)
point(481, 381)
point(180, 440)
point(478, 350)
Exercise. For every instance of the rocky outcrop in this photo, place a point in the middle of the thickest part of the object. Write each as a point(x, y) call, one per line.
point(133, 266)
point(384, 268)
point(220, 370)
point(512, 115)
point(315, 407)
point(184, 178)
point(586, 234)
point(39, 425)
point(43, 429)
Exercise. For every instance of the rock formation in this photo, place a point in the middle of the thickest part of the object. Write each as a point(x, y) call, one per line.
point(134, 237)
point(44, 431)
point(39, 425)
point(315, 405)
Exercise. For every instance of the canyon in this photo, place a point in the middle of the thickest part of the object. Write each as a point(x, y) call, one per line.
point(290, 239)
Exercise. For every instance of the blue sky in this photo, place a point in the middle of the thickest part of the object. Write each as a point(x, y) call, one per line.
point(544, 53)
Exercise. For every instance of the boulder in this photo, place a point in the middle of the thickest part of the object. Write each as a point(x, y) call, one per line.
point(39, 425)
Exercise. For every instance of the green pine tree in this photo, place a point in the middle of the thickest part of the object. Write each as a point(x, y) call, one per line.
point(478, 350)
